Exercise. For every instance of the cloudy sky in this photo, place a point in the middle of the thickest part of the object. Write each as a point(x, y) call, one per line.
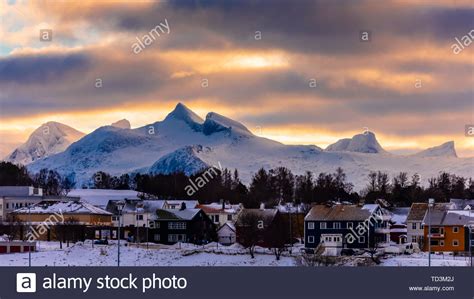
point(255, 62)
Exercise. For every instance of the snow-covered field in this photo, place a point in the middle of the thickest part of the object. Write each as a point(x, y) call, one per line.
point(421, 259)
point(83, 254)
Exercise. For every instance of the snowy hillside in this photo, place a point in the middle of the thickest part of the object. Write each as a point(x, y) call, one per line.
point(183, 141)
point(444, 150)
point(49, 139)
point(184, 160)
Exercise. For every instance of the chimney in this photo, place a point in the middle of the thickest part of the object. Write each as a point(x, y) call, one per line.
point(262, 206)
point(183, 206)
point(223, 204)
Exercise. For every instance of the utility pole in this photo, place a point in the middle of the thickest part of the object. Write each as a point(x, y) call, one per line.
point(29, 232)
point(430, 204)
point(119, 208)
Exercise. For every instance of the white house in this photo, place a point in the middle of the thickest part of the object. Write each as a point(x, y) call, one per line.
point(221, 213)
point(226, 234)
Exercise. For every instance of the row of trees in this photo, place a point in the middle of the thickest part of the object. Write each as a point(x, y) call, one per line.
point(49, 180)
point(403, 189)
point(277, 185)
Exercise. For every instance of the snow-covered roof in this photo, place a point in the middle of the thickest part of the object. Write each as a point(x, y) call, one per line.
point(370, 207)
point(290, 208)
point(147, 206)
point(399, 215)
point(100, 197)
point(229, 224)
point(69, 207)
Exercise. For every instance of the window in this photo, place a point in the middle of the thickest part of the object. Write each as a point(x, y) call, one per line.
point(413, 239)
point(139, 217)
point(8, 205)
point(441, 243)
point(434, 243)
point(362, 239)
point(215, 218)
point(310, 225)
point(176, 238)
point(455, 229)
point(337, 225)
point(349, 225)
point(156, 237)
point(115, 218)
point(322, 225)
point(310, 239)
point(1, 206)
point(455, 243)
point(413, 225)
point(229, 217)
point(176, 225)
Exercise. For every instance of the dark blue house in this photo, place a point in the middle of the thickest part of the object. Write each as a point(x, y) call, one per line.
point(346, 226)
point(182, 225)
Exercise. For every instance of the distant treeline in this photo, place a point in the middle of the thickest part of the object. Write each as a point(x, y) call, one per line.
point(278, 185)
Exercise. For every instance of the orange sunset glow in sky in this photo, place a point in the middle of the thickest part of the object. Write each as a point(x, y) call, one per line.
point(258, 61)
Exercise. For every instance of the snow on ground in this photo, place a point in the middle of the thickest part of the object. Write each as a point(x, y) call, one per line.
point(421, 259)
point(82, 254)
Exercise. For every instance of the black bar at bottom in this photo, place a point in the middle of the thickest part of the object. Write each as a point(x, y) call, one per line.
point(249, 282)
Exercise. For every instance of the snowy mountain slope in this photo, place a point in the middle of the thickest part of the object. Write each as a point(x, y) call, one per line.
point(360, 143)
point(444, 150)
point(49, 139)
point(184, 160)
point(184, 141)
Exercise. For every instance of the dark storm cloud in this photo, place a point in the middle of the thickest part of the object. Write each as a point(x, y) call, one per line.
point(41, 68)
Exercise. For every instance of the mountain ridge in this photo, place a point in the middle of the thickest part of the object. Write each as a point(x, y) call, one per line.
point(185, 142)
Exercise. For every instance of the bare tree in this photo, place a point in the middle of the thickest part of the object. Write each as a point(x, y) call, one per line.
point(249, 231)
point(277, 236)
point(15, 226)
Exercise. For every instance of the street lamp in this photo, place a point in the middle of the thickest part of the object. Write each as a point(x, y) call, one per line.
point(430, 205)
point(120, 206)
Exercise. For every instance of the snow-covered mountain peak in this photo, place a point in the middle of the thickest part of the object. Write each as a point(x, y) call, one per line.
point(183, 113)
point(49, 139)
point(218, 123)
point(122, 124)
point(361, 143)
point(444, 150)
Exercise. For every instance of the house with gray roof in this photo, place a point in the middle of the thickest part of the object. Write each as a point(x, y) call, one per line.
point(346, 226)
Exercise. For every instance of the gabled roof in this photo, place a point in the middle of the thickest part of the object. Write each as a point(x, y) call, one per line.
point(228, 224)
point(418, 210)
point(450, 218)
point(340, 213)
